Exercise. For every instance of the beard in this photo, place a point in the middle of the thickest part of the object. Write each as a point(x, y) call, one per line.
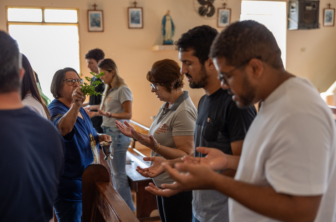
point(249, 95)
point(203, 79)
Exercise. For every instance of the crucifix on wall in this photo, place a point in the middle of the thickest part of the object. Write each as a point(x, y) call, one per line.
point(135, 17)
point(95, 20)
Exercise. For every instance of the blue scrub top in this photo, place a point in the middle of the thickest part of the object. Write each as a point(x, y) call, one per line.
point(78, 152)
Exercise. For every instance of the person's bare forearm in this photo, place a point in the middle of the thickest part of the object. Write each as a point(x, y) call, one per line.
point(170, 153)
point(67, 122)
point(233, 162)
point(124, 115)
point(229, 173)
point(264, 200)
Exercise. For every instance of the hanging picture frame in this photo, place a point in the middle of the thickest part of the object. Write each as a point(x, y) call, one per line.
point(135, 17)
point(95, 20)
point(223, 16)
point(329, 16)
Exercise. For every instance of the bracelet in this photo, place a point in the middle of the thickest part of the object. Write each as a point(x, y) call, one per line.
point(158, 148)
point(110, 115)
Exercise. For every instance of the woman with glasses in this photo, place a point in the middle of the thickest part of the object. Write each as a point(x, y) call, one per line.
point(171, 134)
point(29, 91)
point(80, 139)
point(116, 105)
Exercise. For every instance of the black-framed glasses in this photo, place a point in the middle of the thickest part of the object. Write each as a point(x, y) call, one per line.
point(154, 87)
point(223, 77)
point(71, 82)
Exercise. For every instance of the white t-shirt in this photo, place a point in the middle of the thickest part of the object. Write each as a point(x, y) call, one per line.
point(113, 103)
point(291, 147)
point(34, 105)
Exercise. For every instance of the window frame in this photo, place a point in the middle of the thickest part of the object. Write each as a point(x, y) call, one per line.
point(8, 23)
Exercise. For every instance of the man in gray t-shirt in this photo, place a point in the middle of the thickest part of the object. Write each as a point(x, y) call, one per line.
point(220, 124)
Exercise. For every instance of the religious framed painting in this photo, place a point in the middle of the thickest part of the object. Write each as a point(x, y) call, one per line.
point(95, 21)
point(135, 18)
point(329, 17)
point(223, 17)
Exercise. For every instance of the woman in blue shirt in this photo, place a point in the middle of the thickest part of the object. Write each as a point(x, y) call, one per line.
point(79, 137)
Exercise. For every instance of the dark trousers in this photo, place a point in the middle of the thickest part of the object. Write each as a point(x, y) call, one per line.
point(96, 122)
point(176, 208)
point(68, 211)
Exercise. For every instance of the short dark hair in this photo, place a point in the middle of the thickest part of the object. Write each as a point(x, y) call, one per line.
point(165, 73)
point(10, 63)
point(242, 41)
point(57, 82)
point(96, 54)
point(199, 39)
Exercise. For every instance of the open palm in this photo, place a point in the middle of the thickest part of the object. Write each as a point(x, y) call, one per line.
point(215, 159)
point(124, 129)
point(154, 170)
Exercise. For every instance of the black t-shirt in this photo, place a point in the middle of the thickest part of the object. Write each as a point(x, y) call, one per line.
point(96, 100)
point(220, 122)
point(31, 160)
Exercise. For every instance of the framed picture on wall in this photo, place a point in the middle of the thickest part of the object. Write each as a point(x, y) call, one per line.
point(135, 18)
point(95, 21)
point(329, 17)
point(223, 17)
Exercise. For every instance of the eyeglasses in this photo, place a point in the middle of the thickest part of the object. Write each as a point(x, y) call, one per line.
point(71, 82)
point(154, 87)
point(223, 77)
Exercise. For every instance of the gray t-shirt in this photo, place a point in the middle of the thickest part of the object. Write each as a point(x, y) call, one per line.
point(179, 120)
point(113, 103)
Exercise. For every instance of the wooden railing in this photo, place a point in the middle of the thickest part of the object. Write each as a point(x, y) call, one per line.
point(101, 202)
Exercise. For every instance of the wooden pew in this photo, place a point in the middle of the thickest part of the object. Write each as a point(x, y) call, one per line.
point(145, 201)
point(101, 202)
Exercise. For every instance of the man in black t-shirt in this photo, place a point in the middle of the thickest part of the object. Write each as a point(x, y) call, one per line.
point(32, 152)
point(93, 57)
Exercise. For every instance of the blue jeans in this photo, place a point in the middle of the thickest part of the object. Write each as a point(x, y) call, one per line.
point(118, 164)
point(194, 219)
point(68, 211)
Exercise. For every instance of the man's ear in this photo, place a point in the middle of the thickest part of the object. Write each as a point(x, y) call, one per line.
point(22, 72)
point(210, 64)
point(257, 68)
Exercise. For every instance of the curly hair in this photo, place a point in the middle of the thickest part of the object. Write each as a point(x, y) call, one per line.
point(96, 54)
point(242, 41)
point(198, 39)
point(165, 73)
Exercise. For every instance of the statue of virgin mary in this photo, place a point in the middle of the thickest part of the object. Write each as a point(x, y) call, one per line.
point(168, 29)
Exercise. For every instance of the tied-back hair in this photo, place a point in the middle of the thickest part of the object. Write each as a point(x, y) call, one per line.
point(29, 84)
point(166, 73)
point(109, 65)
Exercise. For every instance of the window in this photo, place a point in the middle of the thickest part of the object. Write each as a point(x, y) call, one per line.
point(273, 15)
point(48, 37)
